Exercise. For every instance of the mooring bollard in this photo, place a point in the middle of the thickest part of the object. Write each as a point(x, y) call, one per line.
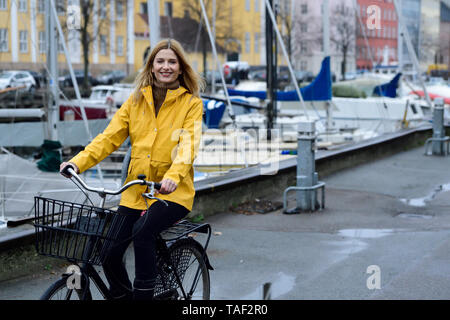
point(307, 177)
point(439, 142)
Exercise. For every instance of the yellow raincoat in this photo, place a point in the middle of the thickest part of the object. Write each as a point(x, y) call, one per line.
point(163, 147)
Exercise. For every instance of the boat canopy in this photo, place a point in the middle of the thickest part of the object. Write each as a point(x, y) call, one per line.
point(388, 89)
point(318, 90)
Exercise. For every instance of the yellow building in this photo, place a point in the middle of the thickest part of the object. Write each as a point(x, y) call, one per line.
point(238, 30)
point(120, 33)
point(23, 42)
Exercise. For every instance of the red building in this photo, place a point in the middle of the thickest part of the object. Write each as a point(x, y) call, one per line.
point(380, 25)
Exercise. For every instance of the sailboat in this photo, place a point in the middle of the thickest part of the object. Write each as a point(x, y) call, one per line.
point(21, 179)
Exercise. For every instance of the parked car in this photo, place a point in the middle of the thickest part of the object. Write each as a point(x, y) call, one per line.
point(234, 71)
point(111, 77)
point(208, 77)
point(66, 80)
point(304, 76)
point(38, 78)
point(114, 96)
point(11, 79)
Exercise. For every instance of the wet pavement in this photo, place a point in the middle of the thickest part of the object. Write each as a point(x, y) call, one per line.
point(384, 234)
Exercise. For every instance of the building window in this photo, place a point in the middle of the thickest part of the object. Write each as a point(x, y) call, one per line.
point(256, 42)
point(247, 42)
point(41, 6)
point(304, 8)
point(23, 41)
point(22, 5)
point(144, 8)
point(3, 40)
point(103, 45)
point(247, 5)
point(119, 10)
point(3, 4)
point(257, 5)
point(102, 9)
point(42, 42)
point(61, 7)
point(303, 27)
point(168, 9)
point(120, 46)
point(303, 47)
point(303, 65)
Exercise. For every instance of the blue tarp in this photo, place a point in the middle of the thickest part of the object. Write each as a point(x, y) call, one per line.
point(213, 112)
point(318, 90)
point(388, 89)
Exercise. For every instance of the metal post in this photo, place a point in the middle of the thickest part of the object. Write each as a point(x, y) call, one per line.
point(307, 178)
point(153, 22)
point(52, 65)
point(437, 146)
point(213, 69)
point(306, 165)
point(270, 70)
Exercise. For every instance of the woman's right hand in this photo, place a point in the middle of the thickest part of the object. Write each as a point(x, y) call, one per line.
point(64, 165)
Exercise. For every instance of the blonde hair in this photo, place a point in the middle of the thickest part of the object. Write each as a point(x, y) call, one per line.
point(189, 79)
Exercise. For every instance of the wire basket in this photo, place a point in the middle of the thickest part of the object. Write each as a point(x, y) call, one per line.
point(74, 232)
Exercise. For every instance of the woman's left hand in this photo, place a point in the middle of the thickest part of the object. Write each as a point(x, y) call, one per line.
point(167, 186)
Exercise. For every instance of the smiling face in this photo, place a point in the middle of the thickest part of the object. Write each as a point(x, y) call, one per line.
point(166, 66)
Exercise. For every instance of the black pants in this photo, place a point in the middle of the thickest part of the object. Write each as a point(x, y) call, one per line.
point(143, 230)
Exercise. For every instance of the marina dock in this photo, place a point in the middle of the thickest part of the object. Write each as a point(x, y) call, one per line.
point(383, 234)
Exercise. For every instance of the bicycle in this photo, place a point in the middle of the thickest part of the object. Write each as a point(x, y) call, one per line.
point(83, 234)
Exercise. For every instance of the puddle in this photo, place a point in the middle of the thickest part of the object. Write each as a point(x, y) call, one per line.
point(365, 233)
point(422, 202)
point(282, 284)
point(415, 216)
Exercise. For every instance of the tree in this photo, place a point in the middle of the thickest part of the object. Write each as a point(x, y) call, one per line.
point(87, 33)
point(344, 32)
point(225, 28)
point(305, 35)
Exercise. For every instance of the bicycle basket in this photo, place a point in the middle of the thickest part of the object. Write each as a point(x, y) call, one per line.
point(74, 232)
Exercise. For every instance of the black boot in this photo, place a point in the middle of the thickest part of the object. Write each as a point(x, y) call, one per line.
point(126, 296)
point(143, 289)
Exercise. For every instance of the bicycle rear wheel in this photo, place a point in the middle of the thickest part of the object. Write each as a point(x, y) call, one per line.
point(191, 268)
point(60, 291)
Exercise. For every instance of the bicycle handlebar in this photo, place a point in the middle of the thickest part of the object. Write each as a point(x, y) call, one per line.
point(102, 191)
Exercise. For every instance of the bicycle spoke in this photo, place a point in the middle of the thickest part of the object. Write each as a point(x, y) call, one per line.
point(68, 294)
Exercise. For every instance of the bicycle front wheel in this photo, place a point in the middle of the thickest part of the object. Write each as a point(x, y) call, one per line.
point(192, 271)
point(60, 291)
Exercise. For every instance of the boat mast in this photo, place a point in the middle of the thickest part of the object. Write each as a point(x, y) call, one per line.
point(54, 17)
point(271, 71)
point(216, 57)
point(405, 35)
point(52, 65)
point(153, 22)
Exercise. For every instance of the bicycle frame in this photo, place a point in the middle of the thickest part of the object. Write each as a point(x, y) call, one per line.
point(88, 271)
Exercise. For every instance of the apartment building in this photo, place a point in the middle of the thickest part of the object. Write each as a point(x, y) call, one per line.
point(23, 42)
point(377, 34)
point(238, 28)
point(309, 40)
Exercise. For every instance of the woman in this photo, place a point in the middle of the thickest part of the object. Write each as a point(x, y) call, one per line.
point(163, 119)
